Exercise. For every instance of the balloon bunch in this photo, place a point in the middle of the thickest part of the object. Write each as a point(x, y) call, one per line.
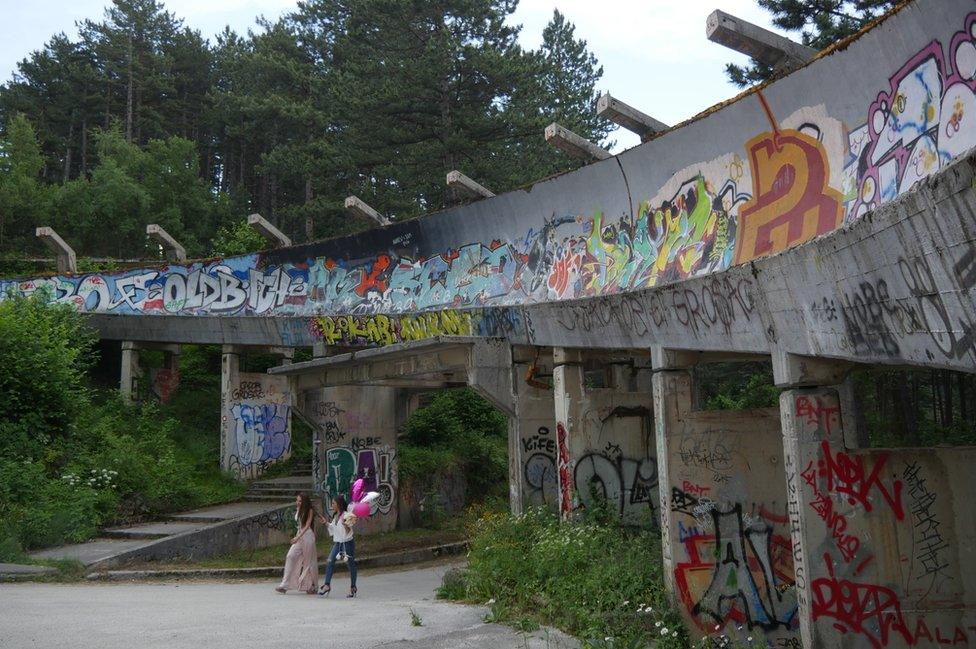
point(361, 503)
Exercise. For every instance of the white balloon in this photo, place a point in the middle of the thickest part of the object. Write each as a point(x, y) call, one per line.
point(370, 497)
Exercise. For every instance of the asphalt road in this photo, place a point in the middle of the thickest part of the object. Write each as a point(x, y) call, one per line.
point(241, 614)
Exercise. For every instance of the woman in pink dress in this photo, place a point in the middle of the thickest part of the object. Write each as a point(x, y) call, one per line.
point(302, 562)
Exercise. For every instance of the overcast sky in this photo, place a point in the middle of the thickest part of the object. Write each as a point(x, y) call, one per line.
point(654, 52)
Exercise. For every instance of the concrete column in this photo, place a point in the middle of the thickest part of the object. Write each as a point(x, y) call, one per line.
point(131, 371)
point(355, 436)
point(533, 480)
point(725, 535)
point(230, 370)
point(568, 406)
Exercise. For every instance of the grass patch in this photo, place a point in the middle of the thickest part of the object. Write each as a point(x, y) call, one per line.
point(597, 581)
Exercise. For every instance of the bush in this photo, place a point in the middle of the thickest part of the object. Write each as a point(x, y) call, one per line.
point(601, 583)
point(72, 460)
point(457, 429)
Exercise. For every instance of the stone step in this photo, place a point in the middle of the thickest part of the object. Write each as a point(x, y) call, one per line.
point(91, 551)
point(217, 513)
point(269, 498)
point(156, 530)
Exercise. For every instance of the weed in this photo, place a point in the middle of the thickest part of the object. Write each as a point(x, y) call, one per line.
point(415, 619)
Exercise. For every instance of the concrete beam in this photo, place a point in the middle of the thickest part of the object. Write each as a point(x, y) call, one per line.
point(354, 205)
point(67, 261)
point(571, 143)
point(752, 40)
point(462, 183)
point(174, 251)
point(794, 370)
point(629, 117)
point(273, 235)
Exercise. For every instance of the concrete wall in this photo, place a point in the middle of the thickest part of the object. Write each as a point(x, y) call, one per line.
point(255, 421)
point(534, 460)
point(617, 461)
point(728, 556)
point(356, 437)
point(885, 538)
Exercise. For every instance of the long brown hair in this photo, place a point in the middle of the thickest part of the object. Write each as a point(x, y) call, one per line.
point(305, 509)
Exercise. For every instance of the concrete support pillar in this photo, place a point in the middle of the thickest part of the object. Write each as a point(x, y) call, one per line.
point(255, 416)
point(533, 480)
point(355, 430)
point(230, 370)
point(725, 535)
point(131, 371)
point(568, 406)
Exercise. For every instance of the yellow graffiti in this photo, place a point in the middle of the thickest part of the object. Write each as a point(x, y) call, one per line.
point(381, 330)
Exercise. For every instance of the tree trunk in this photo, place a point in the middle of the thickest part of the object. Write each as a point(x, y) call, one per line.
point(84, 146)
point(129, 96)
point(67, 150)
point(309, 219)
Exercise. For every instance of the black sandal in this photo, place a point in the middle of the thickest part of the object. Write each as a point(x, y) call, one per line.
point(352, 592)
point(325, 590)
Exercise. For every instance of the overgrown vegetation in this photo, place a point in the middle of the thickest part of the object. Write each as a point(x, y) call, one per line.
point(72, 459)
point(458, 430)
point(597, 581)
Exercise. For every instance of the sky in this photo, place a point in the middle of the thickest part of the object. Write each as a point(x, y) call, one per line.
point(654, 53)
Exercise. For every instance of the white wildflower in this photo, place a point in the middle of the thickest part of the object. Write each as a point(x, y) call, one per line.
point(665, 631)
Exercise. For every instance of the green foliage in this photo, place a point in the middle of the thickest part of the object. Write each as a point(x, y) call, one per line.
point(237, 239)
point(23, 199)
point(601, 583)
point(457, 429)
point(71, 462)
point(45, 351)
point(737, 386)
point(820, 23)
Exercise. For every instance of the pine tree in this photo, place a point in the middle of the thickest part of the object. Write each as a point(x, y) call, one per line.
point(820, 23)
point(23, 198)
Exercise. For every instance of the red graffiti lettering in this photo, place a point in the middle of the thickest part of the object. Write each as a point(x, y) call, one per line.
point(694, 489)
point(372, 281)
point(869, 610)
point(846, 474)
point(816, 413)
point(565, 479)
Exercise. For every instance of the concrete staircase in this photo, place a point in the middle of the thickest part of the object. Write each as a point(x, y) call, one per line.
point(120, 544)
point(279, 489)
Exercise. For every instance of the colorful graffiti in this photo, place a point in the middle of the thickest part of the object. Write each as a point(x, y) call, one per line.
point(257, 424)
point(741, 571)
point(788, 182)
point(261, 432)
point(376, 466)
point(916, 126)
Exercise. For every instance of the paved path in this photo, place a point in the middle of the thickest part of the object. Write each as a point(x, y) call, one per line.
point(237, 615)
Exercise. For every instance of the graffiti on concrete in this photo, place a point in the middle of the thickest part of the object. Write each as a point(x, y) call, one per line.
point(627, 485)
point(376, 466)
point(917, 125)
point(539, 467)
point(257, 424)
point(380, 330)
point(741, 571)
point(261, 432)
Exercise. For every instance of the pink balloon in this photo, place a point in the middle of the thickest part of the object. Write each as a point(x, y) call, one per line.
point(361, 510)
point(357, 490)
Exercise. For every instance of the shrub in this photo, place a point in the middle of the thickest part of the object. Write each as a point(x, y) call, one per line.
point(601, 583)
